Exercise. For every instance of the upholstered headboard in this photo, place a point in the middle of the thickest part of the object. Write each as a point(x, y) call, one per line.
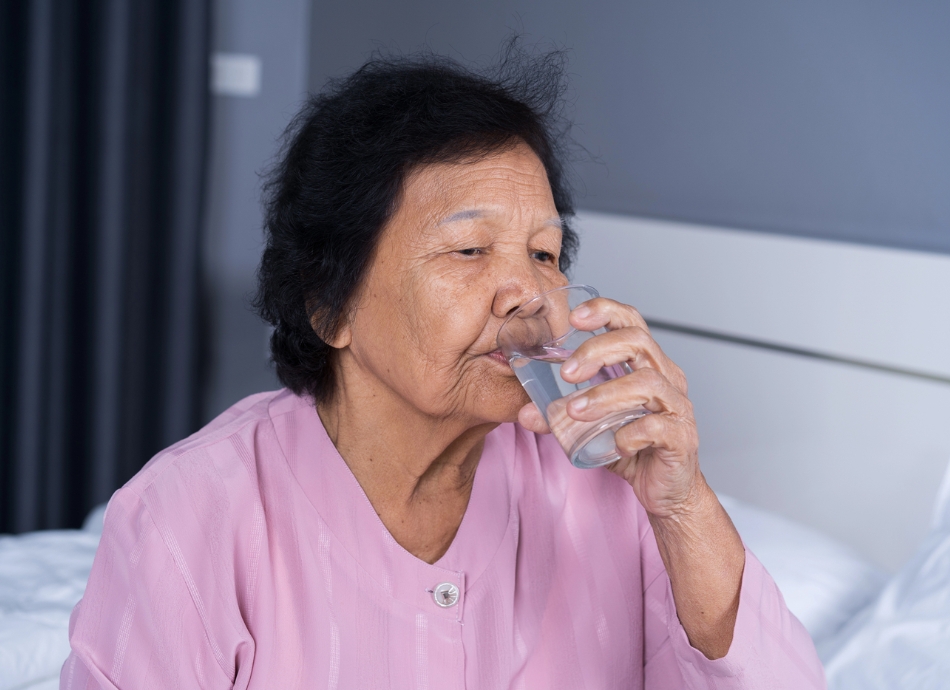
point(820, 371)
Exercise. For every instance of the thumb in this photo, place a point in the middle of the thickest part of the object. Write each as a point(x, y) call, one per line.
point(531, 419)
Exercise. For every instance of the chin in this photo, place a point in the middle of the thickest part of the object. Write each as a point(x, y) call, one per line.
point(502, 402)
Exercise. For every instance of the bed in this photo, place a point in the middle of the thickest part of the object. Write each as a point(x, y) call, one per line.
point(820, 373)
point(825, 583)
point(42, 576)
point(820, 376)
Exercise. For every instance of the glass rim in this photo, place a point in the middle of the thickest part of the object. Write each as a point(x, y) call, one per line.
point(591, 290)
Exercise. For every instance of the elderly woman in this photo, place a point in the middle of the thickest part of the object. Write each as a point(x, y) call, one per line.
point(398, 516)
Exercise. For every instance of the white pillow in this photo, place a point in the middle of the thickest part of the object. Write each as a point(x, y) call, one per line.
point(823, 581)
point(903, 639)
point(95, 519)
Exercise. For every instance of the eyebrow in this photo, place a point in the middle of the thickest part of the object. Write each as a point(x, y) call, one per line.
point(467, 214)
point(472, 213)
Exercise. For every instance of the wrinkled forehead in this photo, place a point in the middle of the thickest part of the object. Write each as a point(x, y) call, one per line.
point(506, 185)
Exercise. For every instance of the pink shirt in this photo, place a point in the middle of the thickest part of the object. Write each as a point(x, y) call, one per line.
point(248, 556)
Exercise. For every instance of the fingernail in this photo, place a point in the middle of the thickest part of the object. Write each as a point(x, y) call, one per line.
point(582, 312)
point(569, 367)
point(579, 404)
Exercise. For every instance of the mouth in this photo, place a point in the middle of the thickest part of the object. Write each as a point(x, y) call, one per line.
point(497, 356)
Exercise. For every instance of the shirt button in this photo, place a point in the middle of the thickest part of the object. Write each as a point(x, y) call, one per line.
point(446, 595)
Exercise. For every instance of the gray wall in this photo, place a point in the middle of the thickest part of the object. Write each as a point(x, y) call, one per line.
point(827, 118)
point(818, 118)
point(245, 135)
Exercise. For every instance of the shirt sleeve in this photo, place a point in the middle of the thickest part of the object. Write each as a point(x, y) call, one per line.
point(770, 647)
point(137, 625)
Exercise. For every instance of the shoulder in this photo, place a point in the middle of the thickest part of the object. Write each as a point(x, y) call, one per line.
point(205, 491)
point(230, 443)
point(201, 500)
point(181, 544)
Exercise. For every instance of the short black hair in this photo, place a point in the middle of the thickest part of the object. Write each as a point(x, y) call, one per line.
point(346, 155)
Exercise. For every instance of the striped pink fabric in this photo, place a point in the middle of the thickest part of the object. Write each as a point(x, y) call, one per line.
point(247, 556)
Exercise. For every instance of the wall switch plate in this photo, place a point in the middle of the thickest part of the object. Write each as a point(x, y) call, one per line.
point(235, 74)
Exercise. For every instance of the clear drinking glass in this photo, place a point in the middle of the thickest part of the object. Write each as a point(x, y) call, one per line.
point(537, 339)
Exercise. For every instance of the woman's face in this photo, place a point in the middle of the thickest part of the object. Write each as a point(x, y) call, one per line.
point(469, 243)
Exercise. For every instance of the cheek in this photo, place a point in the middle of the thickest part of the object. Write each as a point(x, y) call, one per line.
point(447, 315)
point(416, 335)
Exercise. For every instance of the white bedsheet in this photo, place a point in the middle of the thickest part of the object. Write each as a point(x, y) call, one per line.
point(824, 582)
point(42, 576)
point(903, 639)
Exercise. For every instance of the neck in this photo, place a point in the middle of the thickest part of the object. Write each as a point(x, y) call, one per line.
point(416, 469)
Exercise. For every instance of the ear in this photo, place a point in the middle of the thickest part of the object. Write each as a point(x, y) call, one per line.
point(342, 338)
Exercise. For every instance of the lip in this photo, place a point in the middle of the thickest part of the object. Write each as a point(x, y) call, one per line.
point(497, 356)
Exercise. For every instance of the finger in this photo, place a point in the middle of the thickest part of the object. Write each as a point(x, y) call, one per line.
point(530, 418)
point(676, 435)
point(646, 387)
point(626, 466)
point(630, 344)
point(601, 312)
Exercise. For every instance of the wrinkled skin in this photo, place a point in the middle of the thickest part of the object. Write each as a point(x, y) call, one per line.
point(438, 289)
point(420, 382)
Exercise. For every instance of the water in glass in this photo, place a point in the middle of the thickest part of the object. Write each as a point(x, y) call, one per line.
point(589, 444)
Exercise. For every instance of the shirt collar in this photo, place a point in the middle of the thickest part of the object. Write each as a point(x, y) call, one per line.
point(340, 502)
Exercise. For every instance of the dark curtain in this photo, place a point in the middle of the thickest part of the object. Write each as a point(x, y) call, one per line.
point(103, 130)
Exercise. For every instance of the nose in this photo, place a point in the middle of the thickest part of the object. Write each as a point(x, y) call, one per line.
point(517, 285)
